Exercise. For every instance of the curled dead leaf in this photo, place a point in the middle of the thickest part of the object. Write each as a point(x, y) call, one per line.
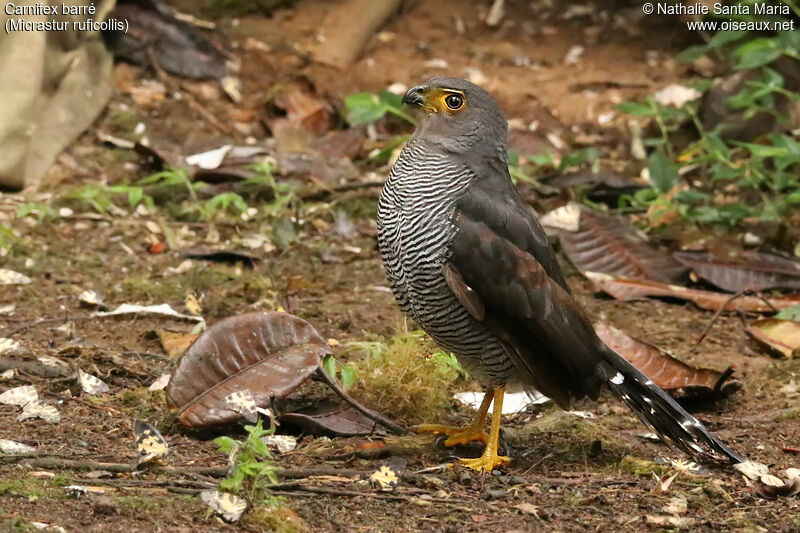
point(329, 420)
point(743, 269)
point(625, 288)
point(611, 245)
point(780, 336)
point(665, 370)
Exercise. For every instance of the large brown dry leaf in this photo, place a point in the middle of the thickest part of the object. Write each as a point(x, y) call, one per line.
point(329, 420)
point(747, 269)
point(612, 246)
point(781, 336)
point(263, 354)
point(623, 288)
point(666, 371)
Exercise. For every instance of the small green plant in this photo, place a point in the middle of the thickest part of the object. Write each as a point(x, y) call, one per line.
point(284, 193)
point(221, 202)
point(726, 180)
point(365, 108)
point(253, 469)
point(449, 360)
point(173, 176)
point(345, 373)
point(95, 196)
point(39, 210)
point(550, 163)
point(7, 237)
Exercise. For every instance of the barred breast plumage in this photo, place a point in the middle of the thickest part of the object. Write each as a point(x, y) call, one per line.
point(415, 227)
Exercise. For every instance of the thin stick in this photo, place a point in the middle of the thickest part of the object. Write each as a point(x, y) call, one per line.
point(377, 417)
point(716, 316)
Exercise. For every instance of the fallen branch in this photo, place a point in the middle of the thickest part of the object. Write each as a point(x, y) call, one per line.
point(349, 27)
point(377, 417)
point(724, 306)
point(62, 463)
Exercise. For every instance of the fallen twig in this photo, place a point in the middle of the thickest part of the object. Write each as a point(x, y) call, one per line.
point(377, 417)
point(724, 307)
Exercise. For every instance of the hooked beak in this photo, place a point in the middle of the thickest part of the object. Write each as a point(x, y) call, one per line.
point(415, 96)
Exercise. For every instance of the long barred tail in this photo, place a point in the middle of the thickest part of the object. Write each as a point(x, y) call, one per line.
point(658, 410)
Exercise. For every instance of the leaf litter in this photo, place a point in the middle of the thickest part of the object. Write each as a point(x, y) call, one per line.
point(268, 354)
point(781, 337)
point(665, 370)
point(228, 506)
point(739, 270)
point(625, 288)
point(611, 245)
point(150, 444)
point(91, 384)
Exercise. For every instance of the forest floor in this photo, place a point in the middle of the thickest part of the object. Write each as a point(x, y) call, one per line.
point(568, 473)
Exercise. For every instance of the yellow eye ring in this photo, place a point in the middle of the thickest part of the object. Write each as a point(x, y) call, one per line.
point(453, 102)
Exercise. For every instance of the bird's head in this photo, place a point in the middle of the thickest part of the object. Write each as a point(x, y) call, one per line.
point(458, 115)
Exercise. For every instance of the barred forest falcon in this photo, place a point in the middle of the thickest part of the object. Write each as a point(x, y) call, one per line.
point(468, 261)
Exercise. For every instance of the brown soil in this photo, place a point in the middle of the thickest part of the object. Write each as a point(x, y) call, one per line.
point(580, 474)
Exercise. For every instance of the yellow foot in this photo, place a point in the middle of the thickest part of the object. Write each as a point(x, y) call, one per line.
point(456, 435)
point(486, 462)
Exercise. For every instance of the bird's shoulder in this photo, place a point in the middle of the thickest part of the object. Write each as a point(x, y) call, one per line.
point(496, 204)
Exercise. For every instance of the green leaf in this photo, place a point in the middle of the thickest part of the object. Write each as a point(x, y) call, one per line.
point(663, 172)
point(692, 54)
point(225, 444)
point(723, 172)
point(790, 313)
point(348, 377)
point(721, 38)
point(637, 108)
point(135, 195)
point(364, 108)
point(792, 146)
point(260, 448)
point(793, 198)
point(717, 147)
point(756, 53)
point(692, 196)
point(764, 150)
point(579, 157)
point(329, 365)
point(542, 160)
point(391, 99)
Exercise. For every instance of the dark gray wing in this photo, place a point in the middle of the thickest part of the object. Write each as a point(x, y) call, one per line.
point(496, 203)
point(501, 266)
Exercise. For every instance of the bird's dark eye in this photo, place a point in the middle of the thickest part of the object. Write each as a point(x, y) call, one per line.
point(454, 102)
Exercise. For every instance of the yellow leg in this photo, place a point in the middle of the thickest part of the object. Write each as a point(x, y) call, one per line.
point(458, 435)
point(490, 460)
